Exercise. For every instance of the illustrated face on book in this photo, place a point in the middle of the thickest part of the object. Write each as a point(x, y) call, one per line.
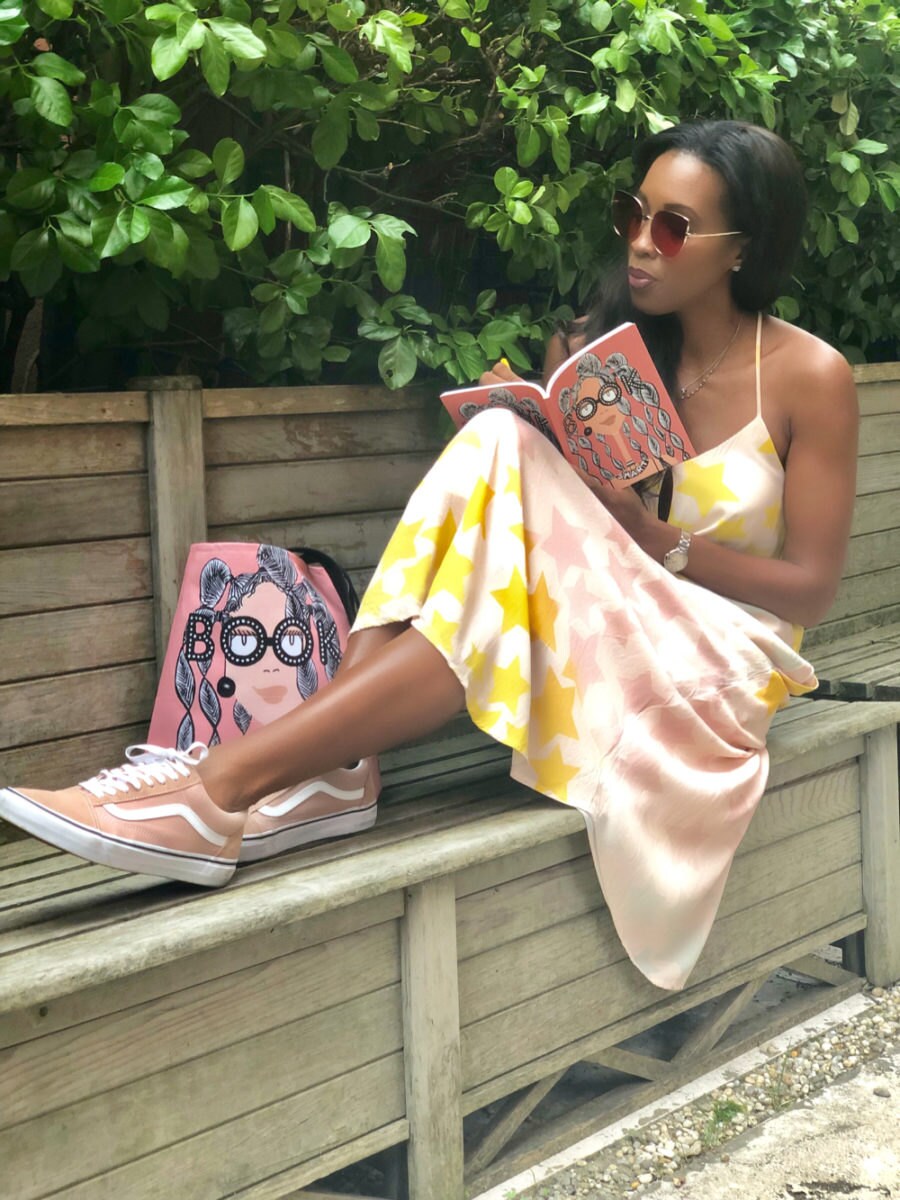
point(681, 183)
point(262, 650)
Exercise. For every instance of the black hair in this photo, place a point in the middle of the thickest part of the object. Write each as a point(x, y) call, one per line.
point(765, 198)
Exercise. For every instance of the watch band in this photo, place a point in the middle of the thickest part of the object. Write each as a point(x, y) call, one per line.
point(676, 559)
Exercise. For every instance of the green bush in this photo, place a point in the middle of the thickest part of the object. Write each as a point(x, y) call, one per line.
point(267, 190)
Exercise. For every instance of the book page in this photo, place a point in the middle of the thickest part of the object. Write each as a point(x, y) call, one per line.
point(620, 424)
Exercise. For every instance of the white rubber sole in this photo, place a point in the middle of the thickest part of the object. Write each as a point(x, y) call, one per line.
point(109, 851)
point(257, 846)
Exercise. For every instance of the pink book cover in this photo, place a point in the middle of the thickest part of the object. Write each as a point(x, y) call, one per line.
point(605, 409)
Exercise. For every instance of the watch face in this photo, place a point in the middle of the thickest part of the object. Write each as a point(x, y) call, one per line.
point(675, 560)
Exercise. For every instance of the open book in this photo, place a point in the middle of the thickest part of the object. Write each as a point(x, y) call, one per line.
point(605, 409)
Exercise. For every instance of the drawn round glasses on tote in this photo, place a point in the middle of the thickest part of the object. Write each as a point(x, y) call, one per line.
point(668, 230)
point(244, 642)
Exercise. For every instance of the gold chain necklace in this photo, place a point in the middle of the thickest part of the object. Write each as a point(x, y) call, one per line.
point(691, 388)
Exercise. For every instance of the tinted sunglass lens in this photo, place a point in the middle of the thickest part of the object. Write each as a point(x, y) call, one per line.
point(627, 216)
point(669, 231)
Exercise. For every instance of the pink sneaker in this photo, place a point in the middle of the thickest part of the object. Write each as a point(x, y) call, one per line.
point(150, 815)
point(343, 801)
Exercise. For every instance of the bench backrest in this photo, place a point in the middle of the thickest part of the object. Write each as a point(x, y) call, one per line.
point(100, 495)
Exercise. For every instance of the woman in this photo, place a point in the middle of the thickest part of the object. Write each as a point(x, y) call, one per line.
point(633, 663)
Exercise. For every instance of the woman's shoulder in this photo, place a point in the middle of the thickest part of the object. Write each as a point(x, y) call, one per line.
point(806, 360)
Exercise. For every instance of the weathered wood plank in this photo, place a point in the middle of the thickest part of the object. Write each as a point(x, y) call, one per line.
point(237, 1153)
point(119, 997)
point(833, 630)
point(355, 539)
point(59, 763)
point(873, 552)
point(431, 1042)
point(41, 452)
point(294, 490)
point(49, 577)
point(869, 593)
point(73, 1065)
point(877, 473)
point(273, 401)
point(43, 709)
point(880, 432)
point(72, 408)
point(875, 373)
point(176, 490)
point(495, 1045)
point(53, 511)
point(82, 640)
point(334, 435)
point(507, 1121)
point(881, 857)
point(879, 511)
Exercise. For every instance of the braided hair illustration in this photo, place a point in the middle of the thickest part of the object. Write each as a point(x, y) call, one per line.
point(222, 595)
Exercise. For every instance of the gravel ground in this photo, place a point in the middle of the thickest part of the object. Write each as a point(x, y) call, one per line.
point(663, 1151)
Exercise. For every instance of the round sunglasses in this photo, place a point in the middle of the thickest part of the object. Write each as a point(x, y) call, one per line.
point(244, 642)
point(668, 230)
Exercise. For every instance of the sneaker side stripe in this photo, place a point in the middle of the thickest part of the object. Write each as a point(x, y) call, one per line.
point(168, 810)
point(295, 799)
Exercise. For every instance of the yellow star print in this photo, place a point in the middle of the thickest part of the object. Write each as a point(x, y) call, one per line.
point(774, 693)
point(705, 485)
point(543, 610)
point(773, 512)
point(508, 686)
point(513, 480)
point(403, 542)
point(375, 597)
point(554, 713)
point(552, 775)
point(513, 599)
point(441, 632)
point(453, 572)
point(442, 535)
point(476, 509)
point(732, 530)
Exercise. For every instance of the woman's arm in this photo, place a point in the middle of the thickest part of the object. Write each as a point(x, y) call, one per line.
point(820, 487)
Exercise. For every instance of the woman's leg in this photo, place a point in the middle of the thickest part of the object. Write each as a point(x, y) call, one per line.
point(400, 689)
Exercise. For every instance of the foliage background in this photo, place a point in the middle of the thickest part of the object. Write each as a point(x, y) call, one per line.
point(289, 190)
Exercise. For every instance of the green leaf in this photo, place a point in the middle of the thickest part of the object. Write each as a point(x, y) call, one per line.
point(561, 151)
point(31, 249)
point(76, 257)
point(347, 232)
point(471, 37)
point(626, 96)
point(215, 66)
point(167, 192)
point(505, 179)
point(156, 108)
point(262, 203)
point(167, 55)
point(719, 27)
point(867, 146)
point(153, 308)
point(338, 63)
point(848, 230)
point(238, 40)
point(167, 244)
point(59, 10)
point(51, 100)
point(849, 121)
point(135, 224)
point(55, 67)
point(228, 161)
point(601, 15)
point(239, 223)
point(594, 103)
point(336, 354)
point(192, 164)
point(12, 23)
point(859, 190)
point(166, 13)
point(397, 363)
point(528, 145)
point(390, 261)
point(106, 177)
point(288, 207)
point(330, 137)
point(117, 11)
point(110, 238)
point(31, 188)
point(519, 212)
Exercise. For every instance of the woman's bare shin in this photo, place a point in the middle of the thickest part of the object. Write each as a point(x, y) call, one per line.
point(401, 690)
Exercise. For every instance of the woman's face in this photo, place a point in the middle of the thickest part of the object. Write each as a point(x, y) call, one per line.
point(268, 688)
point(682, 183)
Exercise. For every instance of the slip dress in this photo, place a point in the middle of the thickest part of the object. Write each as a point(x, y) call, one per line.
point(634, 695)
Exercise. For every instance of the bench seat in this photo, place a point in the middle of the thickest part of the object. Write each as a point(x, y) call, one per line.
point(370, 992)
point(861, 666)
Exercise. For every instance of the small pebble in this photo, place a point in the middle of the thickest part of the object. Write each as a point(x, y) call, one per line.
point(884, 1092)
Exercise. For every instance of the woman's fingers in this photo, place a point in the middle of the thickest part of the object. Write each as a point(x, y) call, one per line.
point(500, 372)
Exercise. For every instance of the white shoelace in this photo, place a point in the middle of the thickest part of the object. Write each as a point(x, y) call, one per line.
point(146, 765)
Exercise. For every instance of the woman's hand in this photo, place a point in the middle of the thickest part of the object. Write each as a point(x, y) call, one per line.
point(628, 509)
point(499, 373)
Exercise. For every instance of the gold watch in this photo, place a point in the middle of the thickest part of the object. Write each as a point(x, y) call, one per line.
point(676, 559)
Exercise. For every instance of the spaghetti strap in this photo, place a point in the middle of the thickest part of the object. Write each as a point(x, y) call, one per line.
point(758, 372)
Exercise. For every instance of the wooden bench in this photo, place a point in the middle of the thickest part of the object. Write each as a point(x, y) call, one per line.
point(436, 974)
